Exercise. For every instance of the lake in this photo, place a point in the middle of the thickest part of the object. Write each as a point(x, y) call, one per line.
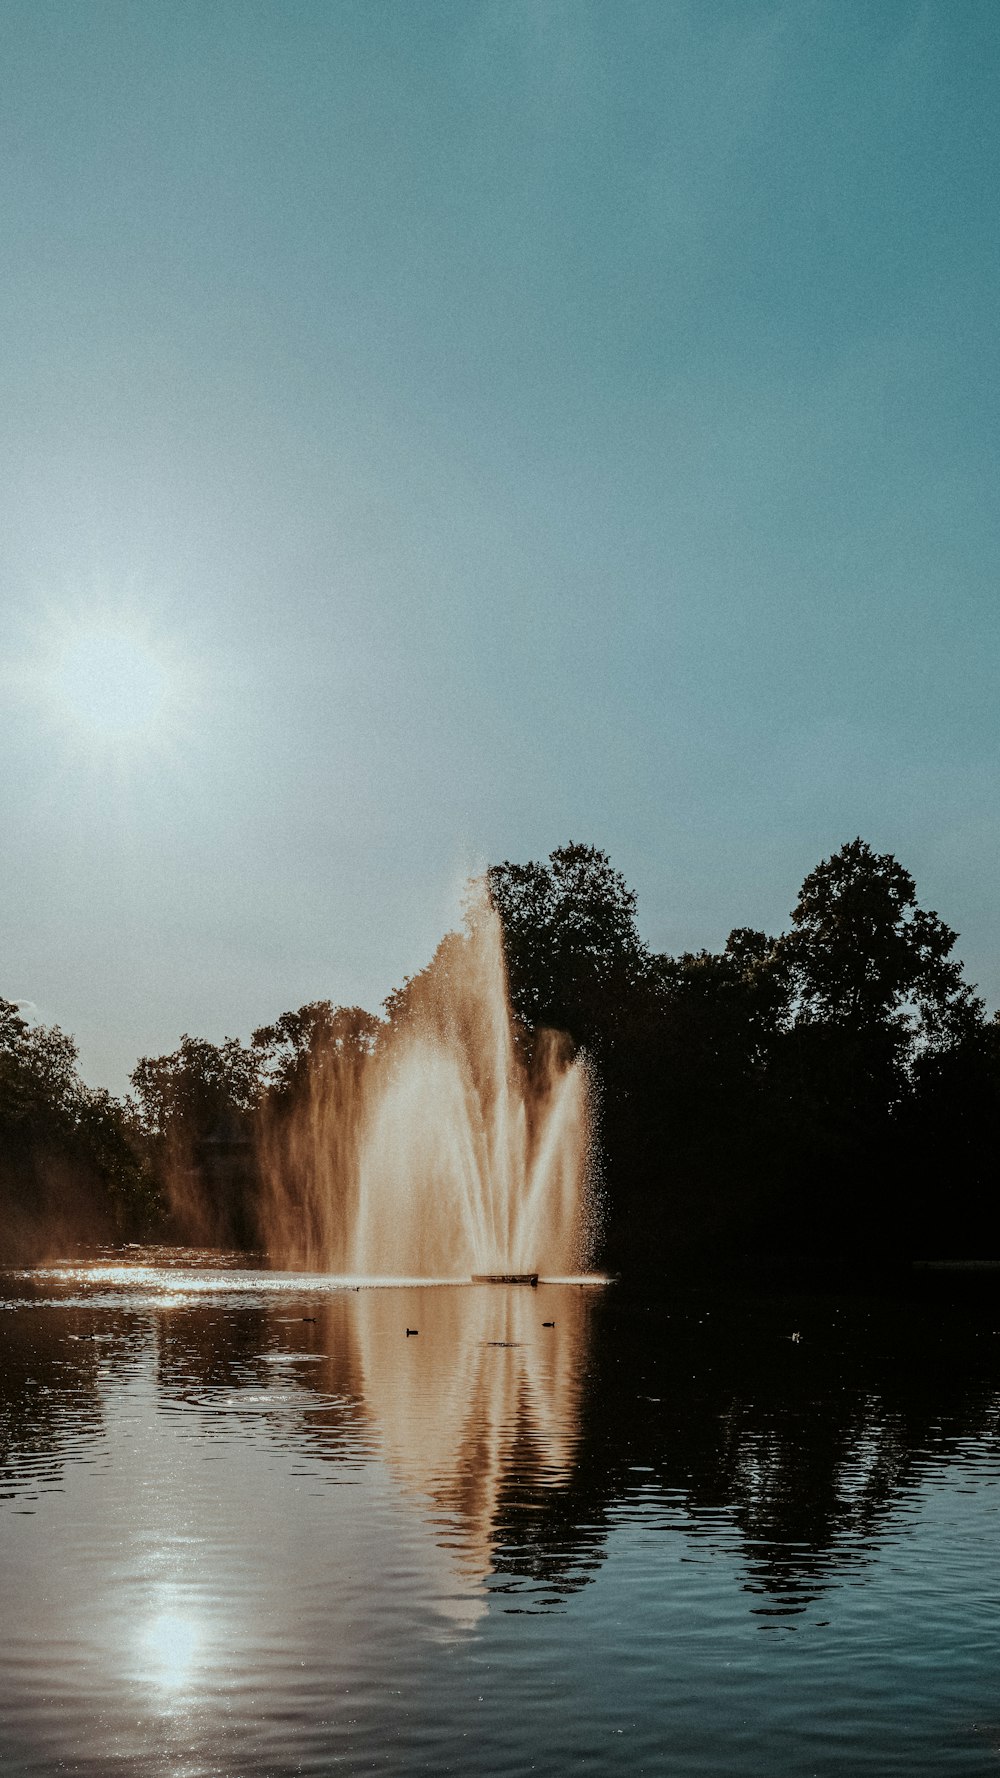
point(253, 1524)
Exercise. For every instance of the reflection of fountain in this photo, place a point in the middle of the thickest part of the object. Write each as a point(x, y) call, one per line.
point(445, 1151)
point(478, 1418)
point(480, 1413)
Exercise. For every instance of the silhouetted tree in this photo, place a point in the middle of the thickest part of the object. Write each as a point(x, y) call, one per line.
point(778, 1092)
point(864, 957)
point(875, 994)
point(70, 1160)
point(38, 1078)
point(574, 955)
point(299, 1045)
point(808, 1092)
point(196, 1109)
point(198, 1083)
point(687, 1112)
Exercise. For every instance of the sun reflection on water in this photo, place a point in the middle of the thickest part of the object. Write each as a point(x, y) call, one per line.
point(171, 1644)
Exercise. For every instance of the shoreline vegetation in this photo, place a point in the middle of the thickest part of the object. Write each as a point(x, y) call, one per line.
point(827, 1098)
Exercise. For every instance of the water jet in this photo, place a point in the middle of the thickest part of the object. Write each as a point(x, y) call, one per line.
point(450, 1145)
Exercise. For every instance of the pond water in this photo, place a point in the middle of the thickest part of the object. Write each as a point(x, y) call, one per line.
point(253, 1525)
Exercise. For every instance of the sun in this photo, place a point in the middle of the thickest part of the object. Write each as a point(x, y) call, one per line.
point(111, 684)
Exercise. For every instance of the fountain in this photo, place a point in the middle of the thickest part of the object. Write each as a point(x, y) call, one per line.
point(454, 1147)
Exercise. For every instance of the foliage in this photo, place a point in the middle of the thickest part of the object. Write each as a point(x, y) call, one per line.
point(783, 1092)
point(195, 1108)
point(864, 956)
point(807, 1091)
point(196, 1086)
point(318, 1037)
point(69, 1153)
point(574, 956)
point(38, 1078)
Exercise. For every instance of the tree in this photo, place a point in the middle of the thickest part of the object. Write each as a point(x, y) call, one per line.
point(724, 1008)
point(70, 1161)
point(184, 1093)
point(112, 1143)
point(864, 957)
point(300, 1047)
point(573, 951)
point(196, 1109)
point(875, 993)
point(39, 1085)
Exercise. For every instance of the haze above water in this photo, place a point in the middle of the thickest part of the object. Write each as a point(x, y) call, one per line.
point(257, 1527)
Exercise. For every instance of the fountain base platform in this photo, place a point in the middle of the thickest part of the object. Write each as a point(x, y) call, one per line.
point(505, 1278)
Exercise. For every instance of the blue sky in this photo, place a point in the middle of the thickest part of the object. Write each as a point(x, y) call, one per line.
point(494, 424)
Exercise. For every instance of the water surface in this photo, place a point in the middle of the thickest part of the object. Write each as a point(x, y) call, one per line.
point(250, 1524)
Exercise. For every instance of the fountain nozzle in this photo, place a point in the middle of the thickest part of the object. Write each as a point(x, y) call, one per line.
point(505, 1278)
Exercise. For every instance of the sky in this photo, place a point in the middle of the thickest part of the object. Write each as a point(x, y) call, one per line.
point(432, 432)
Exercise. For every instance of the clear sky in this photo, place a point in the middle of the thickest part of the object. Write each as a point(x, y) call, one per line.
point(433, 432)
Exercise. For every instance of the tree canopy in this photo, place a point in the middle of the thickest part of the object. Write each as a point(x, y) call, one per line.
point(574, 954)
point(863, 954)
point(70, 1155)
point(812, 1089)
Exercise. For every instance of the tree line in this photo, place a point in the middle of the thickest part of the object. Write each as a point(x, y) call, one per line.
point(73, 1164)
point(830, 1091)
point(833, 1090)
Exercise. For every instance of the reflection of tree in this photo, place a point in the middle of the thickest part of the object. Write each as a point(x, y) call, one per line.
point(50, 1407)
point(534, 1538)
point(222, 1361)
point(200, 1349)
point(523, 1446)
point(798, 1454)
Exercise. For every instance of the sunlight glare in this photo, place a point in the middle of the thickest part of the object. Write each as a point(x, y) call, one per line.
point(172, 1642)
point(110, 683)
